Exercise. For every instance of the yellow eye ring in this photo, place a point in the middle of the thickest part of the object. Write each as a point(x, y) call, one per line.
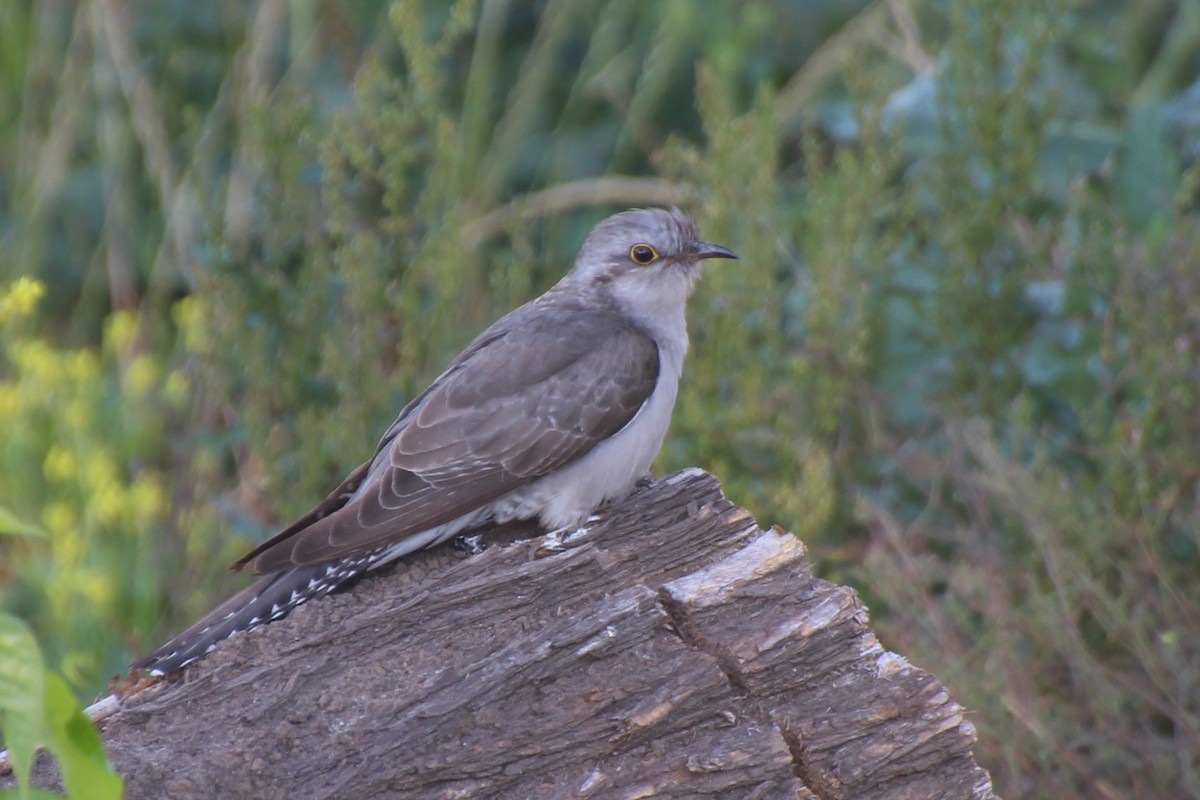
point(643, 254)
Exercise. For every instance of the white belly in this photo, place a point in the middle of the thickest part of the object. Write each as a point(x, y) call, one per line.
point(568, 496)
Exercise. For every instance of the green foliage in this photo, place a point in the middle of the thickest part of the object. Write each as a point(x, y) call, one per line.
point(22, 688)
point(958, 354)
point(37, 709)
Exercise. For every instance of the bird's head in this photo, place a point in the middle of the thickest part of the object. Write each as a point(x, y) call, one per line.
point(646, 255)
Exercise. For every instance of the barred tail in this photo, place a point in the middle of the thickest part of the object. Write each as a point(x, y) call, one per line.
point(269, 598)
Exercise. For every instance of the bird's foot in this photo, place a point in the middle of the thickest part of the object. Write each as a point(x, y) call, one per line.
point(564, 538)
point(472, 545)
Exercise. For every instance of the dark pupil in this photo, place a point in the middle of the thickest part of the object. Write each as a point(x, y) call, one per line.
point(642, 254)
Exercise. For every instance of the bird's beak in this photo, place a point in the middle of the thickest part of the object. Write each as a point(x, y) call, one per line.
point(702, 250)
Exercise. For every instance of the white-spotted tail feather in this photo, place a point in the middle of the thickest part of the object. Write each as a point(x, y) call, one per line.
point(269, 598)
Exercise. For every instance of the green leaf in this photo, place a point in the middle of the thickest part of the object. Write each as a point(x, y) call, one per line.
point(81, 758)
point(21, 691)
point(12, 524)
point(1150, 172)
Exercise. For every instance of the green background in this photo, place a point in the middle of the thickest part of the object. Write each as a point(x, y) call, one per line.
point(960, 355)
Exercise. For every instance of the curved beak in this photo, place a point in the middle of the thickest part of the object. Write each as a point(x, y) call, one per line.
point(701, 250)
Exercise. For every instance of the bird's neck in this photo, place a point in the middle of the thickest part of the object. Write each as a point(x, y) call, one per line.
point(656, 303)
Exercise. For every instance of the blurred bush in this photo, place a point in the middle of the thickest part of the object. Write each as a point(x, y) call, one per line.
point(958, 356)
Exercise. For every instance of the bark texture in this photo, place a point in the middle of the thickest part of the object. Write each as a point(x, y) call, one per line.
point(672, 649)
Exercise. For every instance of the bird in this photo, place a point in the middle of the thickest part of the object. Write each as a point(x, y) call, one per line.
point(554, 411)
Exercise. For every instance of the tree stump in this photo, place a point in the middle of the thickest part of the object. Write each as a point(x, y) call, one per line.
point(671, 649)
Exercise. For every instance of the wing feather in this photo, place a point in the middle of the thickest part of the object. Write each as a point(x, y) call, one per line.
point(535, 392)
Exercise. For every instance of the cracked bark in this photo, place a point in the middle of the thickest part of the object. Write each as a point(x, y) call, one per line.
point(673, 649)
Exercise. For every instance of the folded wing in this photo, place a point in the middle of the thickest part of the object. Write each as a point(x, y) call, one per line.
point(535, 392)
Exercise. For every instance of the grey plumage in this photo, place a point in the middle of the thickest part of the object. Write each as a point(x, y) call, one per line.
point(557, 408)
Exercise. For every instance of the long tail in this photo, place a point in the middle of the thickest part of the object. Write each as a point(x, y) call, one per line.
point(269, 598)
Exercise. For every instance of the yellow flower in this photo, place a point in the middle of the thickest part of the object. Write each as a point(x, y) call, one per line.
point(176, 389)
point(33, 358)
point(60, 464)
point(10, 403)
point(148, 495)
point(108, 503)
point(100, 472)
point(76, 414)
point(120, 329)
point(141, 375)
point(59, 518)
point(20, 299)
point(83, 366)
point(188, 314)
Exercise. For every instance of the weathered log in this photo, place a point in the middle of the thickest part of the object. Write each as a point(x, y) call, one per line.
point(671, 649)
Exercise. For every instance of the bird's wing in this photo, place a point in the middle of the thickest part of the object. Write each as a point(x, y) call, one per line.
point(529, 396)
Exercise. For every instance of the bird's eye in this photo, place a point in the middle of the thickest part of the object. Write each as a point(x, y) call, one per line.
point(643, 254)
